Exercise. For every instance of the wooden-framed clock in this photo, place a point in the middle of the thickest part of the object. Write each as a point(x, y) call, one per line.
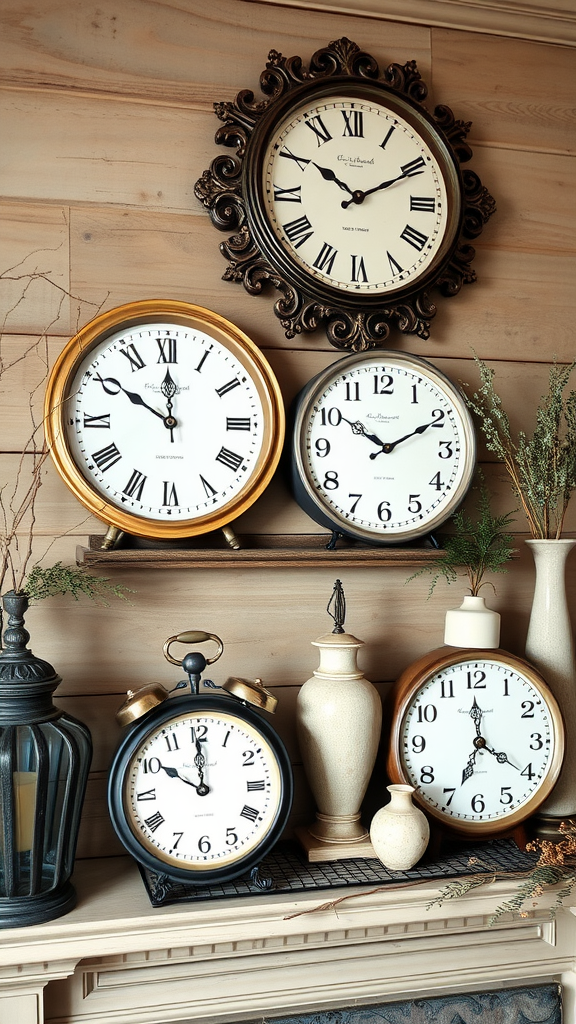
point(479, 736)
point(382, 447)
point(346, 195)
point(164, 419)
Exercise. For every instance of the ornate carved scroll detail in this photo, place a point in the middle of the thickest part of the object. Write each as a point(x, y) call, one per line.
point(220, 190)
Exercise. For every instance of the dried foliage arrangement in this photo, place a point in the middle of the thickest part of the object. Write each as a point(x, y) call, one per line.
point(18, 495)
point(555, 866)
point(542, 467)
point(479, 545)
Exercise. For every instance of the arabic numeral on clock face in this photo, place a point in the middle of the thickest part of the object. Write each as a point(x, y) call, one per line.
point(384, 512)
point(352, 391)
point(383, 384)
point(330, 417)
point(426, 713)
point(204, 844)
point(331, 480)
point(475, 680)
point(414, 506)
point(322, 446)
point(427, 775)
point(478, 803)
point(436, 482)
point(418, 744)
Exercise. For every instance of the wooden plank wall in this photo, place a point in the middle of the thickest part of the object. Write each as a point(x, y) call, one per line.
point(107, 122)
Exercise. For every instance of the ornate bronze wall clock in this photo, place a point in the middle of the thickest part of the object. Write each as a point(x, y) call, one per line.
point(164, 419)
point(346, 195)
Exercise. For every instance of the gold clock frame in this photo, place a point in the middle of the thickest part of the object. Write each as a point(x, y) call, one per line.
point(415, 677)
point(150, 311)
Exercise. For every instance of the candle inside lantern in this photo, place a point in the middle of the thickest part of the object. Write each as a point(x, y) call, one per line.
point(24, 808)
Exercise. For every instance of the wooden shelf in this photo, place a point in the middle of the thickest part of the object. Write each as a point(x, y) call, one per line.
point(257, 551)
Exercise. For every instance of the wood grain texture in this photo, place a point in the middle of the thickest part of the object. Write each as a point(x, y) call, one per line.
point(177, 53)
point(107, 122)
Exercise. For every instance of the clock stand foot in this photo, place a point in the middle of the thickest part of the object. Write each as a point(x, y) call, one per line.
point(263, 882)
point(231, 538)
point(112, 538)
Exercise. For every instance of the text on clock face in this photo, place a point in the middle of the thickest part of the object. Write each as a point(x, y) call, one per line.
point(476, 741)
point(348, 168)
point(203, 790)
point(165, 422)
point(385, 445)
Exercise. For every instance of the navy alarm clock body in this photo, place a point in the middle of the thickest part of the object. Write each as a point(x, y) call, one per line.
point(200, 788)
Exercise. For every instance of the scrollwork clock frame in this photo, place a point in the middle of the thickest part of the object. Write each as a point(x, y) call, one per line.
point(231, 191)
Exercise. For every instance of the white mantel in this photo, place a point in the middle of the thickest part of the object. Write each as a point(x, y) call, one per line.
point(122, 962)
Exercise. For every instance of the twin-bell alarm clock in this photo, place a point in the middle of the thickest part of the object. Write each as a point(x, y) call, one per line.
point(201, 786)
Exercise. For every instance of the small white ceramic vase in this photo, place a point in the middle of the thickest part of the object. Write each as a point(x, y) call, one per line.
point(338, 719)
point(472, 625)
point(550, 647)
point(400, 831)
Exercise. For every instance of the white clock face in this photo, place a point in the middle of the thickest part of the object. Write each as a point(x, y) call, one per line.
point(203, 791)
point(386, 446)
point(355, 195)
point(478, 741)
point(167, 423)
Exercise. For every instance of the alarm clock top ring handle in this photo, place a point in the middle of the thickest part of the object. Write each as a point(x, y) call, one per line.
point(195, 662)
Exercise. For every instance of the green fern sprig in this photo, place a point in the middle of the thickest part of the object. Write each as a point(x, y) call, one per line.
point(479, 545)
point(43, 582)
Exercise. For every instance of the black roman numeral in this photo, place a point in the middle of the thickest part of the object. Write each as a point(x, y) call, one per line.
point(203, 360)
point(146, 794)
point(414, 237)
point(210, 491)
point(300, 160)
point(154, 821)
point(394, 266)
point(106, 457)
point(234, 383)
point(298, 231)
point(249, 812)
point(317, 125)
point(255, 787)
point(287, 195)
point(325, 258)
point(170, 496)
point(135, 485)
point(97, 421)
point(167, 347)
point(413, 166)
point(134, 357)
point(353, 123)
point(388, 136)
point(427, 204)
point(358, 269)
point(237, 423)
point(230, 459)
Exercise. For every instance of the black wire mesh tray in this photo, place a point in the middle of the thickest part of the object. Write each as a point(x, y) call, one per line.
point(285, 870)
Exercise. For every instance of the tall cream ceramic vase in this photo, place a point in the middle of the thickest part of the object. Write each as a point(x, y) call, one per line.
point(550, 647)
point(400, 831)
point(338, 718)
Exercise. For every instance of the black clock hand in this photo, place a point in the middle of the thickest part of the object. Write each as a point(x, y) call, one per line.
point(359, 428)
point(391, 445)
point(169, 389)
point(469, 769)
point(501, 757)
point(200, 762)
point(476, 715)
point(329, 175)
point(131, 395)
point(358, 196)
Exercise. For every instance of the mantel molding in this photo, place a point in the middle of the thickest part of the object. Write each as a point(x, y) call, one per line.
point(553, 22)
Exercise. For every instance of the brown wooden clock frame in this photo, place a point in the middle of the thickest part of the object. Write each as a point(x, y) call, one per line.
point(232, 191)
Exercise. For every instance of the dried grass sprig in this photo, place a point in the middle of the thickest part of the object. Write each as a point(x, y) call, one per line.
point(542, 468)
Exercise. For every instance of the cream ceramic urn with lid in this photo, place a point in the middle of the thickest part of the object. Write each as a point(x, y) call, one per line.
point(339, 719)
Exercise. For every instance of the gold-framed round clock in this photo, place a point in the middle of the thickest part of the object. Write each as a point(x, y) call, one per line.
point(479, 736)
point(348, 193)
point(164, 419)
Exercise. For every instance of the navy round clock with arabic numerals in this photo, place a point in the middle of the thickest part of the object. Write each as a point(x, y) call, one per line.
point(383, 447)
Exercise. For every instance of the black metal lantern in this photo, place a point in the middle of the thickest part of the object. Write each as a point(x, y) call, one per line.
point(45, 755)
